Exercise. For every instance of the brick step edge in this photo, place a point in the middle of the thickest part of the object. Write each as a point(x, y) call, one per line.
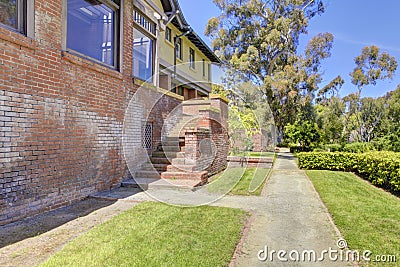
point(200, 176)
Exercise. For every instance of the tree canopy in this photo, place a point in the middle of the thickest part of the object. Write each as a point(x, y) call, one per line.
point(258, 39)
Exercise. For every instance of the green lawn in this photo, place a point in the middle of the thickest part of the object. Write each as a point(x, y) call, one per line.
point(368, 217)
point(240, 181)
point(255, 154)
point(153, 234)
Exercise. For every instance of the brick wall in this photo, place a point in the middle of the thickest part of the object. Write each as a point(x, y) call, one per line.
point(61, 118)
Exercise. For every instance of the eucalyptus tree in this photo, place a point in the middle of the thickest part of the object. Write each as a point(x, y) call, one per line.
point(258, 39)
point(371, 66)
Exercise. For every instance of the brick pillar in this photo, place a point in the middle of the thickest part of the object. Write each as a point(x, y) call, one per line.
point(193, 138)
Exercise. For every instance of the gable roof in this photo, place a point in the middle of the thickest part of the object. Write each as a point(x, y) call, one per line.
point(172, 8)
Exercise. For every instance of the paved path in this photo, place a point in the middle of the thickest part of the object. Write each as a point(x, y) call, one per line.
point(293, 218)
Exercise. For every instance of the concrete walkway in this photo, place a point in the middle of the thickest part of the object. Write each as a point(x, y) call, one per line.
point(293, 218)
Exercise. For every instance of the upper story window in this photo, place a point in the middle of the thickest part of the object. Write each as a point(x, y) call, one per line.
point(192, 58)
point(145, 22)
point(168, 34)
point(178, 47)
point(204, 68)
point(13, 14)
point(92, 29)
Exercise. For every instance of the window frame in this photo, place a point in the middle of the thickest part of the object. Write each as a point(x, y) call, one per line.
point(116, 7)
point(168, 34)
point(145, 33)
point(22, 17)
point(179, 48)
point(144, 22)
point(150, 34)
point(192, 58)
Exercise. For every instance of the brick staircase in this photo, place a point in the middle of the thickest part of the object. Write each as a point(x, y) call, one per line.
point(169, 163)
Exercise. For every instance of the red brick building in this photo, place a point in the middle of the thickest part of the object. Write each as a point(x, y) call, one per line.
point(66, 70)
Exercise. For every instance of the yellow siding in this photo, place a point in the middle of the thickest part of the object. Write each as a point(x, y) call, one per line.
point(167, 54)
point(158, 3)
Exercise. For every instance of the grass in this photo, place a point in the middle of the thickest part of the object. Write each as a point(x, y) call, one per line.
point(240, 181)
point(154, 234)
point(368, 217)
point(254, 154)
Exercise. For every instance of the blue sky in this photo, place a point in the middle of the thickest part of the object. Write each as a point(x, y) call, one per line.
point(354, 24)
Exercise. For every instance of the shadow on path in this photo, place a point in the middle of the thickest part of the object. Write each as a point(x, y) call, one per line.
point(39, 224)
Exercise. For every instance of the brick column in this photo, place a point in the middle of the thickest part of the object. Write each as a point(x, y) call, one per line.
point(193, 138)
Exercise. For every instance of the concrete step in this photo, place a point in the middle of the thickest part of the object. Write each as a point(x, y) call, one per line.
point(153, 167)
point(201, 176)
point(164, 154)
point(160, 160)
point(170, 143)
point(170, 148)
point(146, 184)
point(180, 155)
point(172, 138)
point(147, 174)
point(181, 168)
point(183, 161)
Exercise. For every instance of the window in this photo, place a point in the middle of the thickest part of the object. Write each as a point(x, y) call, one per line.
point(143, 47)
point(13, 14)
point(192, 58)
point(168, 34)
point(179, 48)
point(92, 29)
point(145, 23)
point(147, 140)
point(142, 56)
point(204, 68)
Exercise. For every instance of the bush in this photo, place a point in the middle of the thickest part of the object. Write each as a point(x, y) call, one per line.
point(380, 168)
point(358, 147)
point(333, 147)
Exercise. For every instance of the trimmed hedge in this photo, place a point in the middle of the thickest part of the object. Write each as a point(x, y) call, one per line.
point(380, 168)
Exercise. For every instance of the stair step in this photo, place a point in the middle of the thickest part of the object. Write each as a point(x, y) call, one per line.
point(162, 160)
point(164, 154)
point(180, 155)
point(199, 176)
point(147, 174)
point(146, 184)
point(170, 143)
point(171, 148)
point(183, 161)
point(152, 167)
point(171, 138)
point(181, 168)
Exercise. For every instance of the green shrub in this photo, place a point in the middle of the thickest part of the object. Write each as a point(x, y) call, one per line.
point(381, 168)
point(358, 147)
point(333, 147)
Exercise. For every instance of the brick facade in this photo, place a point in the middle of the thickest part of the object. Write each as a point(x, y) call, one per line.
point(61, 117)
